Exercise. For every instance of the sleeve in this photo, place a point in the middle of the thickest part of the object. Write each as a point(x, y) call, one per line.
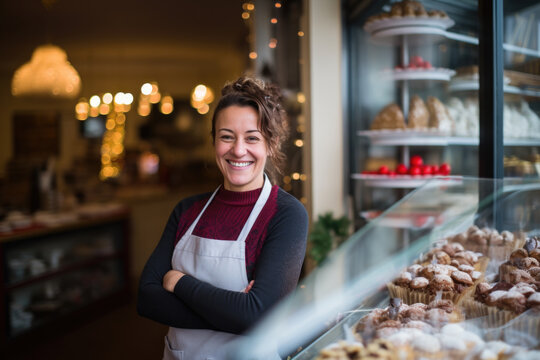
point(276, 275)
point(153, 301)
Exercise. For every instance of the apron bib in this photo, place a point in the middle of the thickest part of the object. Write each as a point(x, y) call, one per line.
point(220, 263)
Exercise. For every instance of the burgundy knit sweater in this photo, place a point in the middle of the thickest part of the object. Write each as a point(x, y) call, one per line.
point(275, 250)
point(225, 217)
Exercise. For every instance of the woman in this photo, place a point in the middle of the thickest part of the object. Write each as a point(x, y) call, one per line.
point(226, 257)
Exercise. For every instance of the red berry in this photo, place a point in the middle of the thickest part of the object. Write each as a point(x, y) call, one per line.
point(417, 60)
point(383, 170)
point(427, 65)
point(417, 161)
point(434, 169)
point(401, 169)
point(426, 170)
point(444, 169)
point(421, 220)
point(415, 170)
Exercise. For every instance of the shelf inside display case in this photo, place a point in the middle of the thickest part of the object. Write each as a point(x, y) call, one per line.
point(403, 181)
point(508, 89)
point(389, 30)
point(332, 302)
point(440, 74)
point(419, 220)
point(431, 137)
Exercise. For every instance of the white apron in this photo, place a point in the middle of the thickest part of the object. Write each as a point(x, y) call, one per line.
point(220, 263)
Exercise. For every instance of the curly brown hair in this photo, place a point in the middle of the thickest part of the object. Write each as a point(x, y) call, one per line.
point(265, 98)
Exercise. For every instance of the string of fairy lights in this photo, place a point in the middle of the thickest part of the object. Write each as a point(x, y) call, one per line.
point(274, 16)
point(115, 109)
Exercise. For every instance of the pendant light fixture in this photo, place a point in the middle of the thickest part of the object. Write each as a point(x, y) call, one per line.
point(48, 74)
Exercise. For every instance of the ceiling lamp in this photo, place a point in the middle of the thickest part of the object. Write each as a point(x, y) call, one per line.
point(48, 73)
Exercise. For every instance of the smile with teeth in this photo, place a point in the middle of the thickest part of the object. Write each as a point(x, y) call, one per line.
point(240, 163)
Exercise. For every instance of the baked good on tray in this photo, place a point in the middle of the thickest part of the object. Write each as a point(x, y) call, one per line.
point(439, 117)
point(526, 259)
point(409, 9)
point(418, 117)
point(390, 117)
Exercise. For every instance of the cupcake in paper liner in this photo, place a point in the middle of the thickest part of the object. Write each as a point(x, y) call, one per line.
point(526, 258)
point(501, 245)
point(423, 284)
point(341, 350)
point(381, 323)
point(503, 302)
point(488, 241)
point(454, 254)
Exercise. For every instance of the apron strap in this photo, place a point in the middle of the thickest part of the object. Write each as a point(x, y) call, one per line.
point(189, 231)
point(257, 208)
point(261, 201)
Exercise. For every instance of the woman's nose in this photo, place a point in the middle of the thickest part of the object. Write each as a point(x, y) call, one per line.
point(239, 148)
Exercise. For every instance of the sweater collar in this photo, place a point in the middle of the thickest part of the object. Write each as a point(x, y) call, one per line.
point(238, 197)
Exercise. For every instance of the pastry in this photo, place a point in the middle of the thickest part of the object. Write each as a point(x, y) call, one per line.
point(418, 114)
point(439, 117)
point(390, 117)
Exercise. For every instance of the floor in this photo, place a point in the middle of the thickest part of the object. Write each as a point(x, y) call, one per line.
point(119, 334)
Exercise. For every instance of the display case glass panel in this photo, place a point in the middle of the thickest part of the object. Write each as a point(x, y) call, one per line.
point(521, 59)
point(353, 279)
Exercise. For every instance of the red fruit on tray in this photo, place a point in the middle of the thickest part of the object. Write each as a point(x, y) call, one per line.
point(434, 169)
point(415, 170)
point(417, 60)
point(392, 173)
point(401, 169)
point(427, 65)
point(426, 170)
point(383, 170)
point(417, 161)
point(444, 169)
point(411, 66)
point(420, 220)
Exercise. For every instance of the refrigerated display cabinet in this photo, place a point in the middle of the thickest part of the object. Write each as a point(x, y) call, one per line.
point(399, 60)
point(352, 281)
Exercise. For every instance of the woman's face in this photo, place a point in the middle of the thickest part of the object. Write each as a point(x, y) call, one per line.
point(240, 148)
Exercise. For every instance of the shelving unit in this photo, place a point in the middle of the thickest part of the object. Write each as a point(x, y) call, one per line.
point(53, 278)
point(404, 32)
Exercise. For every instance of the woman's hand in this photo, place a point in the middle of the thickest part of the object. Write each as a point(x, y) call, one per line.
point(250, 285)
point(171, 278)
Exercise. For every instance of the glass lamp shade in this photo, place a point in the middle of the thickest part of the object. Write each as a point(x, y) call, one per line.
point(48, 73)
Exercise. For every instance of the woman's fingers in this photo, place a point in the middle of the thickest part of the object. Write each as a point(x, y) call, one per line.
point(250, 285)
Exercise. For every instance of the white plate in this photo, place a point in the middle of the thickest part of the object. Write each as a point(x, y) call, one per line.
point(410, 221)
point(403, 181)
point(427, 137)
point(421, 74)
point(408, 22)
point(471, 85)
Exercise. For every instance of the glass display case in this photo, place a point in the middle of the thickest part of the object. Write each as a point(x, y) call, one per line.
point(329, 303)
point(414, 99)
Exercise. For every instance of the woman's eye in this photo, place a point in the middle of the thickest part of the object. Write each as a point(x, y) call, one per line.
point(252, 139)
point(226, 137)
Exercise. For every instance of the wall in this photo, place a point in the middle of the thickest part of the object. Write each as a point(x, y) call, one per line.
point(121, 69)
point(325, 107)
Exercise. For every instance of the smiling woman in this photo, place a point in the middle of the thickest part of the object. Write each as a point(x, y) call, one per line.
point(241, 149)
point(226, 257)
